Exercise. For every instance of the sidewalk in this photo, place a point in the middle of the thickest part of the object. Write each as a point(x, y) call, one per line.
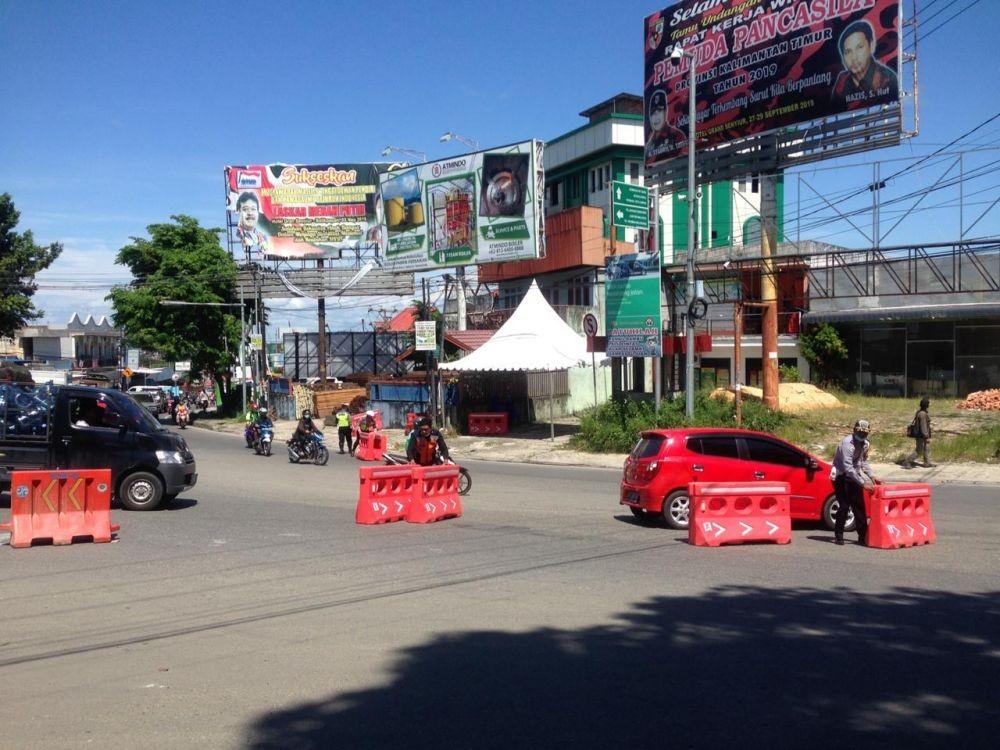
point(532, 446)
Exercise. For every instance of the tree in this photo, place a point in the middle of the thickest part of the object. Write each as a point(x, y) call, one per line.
point(823, 349)
point(186, 262)
point(20, 260)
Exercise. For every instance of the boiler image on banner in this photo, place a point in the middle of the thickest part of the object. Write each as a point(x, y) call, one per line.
point(451, 228)
point(403, 211)
point(505, 181)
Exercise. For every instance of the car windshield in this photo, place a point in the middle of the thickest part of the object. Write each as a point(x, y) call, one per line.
point(648, 447)
point(138, 417)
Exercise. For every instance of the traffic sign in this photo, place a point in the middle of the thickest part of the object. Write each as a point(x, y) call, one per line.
point(590, 324)
point(629, 205)
point(127, 372)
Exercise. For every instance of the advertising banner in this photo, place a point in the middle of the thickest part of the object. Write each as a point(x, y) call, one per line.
point(483, 207)
point(632, 306)
point(425, 335)
point(296, 211)
point(763, 65)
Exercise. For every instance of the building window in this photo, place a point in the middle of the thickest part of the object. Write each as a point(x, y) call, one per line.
point(579, 292)
point(755, 185)
point(633, 171)
point(607, 173)
point(553, 191)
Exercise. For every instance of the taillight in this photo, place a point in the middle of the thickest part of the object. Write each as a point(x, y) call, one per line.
point(651, 469)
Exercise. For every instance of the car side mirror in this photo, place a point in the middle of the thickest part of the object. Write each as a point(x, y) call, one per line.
point(812, 464)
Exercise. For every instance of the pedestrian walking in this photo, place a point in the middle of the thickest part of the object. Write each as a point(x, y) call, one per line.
point(343, 417)
point(920, 430)
point(852, 475)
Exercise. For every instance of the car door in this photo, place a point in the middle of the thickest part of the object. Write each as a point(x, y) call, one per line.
point(93, 438)
point(776, 462)
point(717, 459)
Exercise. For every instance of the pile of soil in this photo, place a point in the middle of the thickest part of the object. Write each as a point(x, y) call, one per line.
point(793, 398)
point(982, 400)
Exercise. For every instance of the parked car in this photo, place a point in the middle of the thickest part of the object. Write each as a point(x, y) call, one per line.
point(661, 465)
point(153, 402)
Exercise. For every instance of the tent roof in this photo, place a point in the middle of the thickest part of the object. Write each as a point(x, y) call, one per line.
point(534, 338)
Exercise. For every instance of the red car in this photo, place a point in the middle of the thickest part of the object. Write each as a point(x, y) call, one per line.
point(660, 466)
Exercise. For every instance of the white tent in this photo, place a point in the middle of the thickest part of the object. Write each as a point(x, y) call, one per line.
point(534, 339)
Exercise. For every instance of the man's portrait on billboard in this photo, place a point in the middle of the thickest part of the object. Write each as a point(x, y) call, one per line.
point(864, 80)
point(661, 131)
point(248, 210)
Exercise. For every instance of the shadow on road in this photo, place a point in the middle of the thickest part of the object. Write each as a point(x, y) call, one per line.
point(179, 503)
point(738, 666)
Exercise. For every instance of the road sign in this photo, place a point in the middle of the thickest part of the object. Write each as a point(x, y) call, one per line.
point(629, 205)
point(256, 342)
point(127, 372)
point(425, 335)
point(590, 324)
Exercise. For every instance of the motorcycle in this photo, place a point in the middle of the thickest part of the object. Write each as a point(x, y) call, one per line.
point(464, 477)
point(262, 441)
point(182, 418)
point(250, 434)
point(312, 449)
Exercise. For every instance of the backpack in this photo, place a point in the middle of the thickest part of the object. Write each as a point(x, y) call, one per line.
point(912, 429)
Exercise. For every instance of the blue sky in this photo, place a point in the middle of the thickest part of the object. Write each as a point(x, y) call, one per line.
point(118, 114)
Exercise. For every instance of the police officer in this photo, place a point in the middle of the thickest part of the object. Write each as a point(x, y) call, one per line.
point(343, 417)
point(852, 476)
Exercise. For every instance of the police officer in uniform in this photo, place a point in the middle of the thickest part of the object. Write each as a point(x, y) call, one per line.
point(343, 417)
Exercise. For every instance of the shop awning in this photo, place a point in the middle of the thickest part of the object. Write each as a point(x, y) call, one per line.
point(960, 311)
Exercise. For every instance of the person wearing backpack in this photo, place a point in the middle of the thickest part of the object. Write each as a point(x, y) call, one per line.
point(920, 430)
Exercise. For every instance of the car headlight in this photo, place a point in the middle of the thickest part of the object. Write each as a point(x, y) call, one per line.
point(170, 457)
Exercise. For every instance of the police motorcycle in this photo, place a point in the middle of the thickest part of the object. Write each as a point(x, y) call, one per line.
point(464, 477)
point(310, 448)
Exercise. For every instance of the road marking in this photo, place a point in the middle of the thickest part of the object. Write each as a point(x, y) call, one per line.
point(747, 528)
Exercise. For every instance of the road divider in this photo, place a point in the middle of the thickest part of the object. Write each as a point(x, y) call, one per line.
point(417, 494)
point(739, 512)
point(60, 506)
point(899, 515)
point(371, 446)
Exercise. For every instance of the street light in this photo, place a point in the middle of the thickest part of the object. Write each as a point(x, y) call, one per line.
point(405, 152)
point(676, 55)
point(449, 136)
point(243, 331)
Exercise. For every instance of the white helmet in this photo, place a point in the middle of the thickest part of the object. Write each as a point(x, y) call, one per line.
point(369, 413)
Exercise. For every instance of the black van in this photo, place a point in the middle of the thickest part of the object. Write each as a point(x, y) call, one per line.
point(76, 427)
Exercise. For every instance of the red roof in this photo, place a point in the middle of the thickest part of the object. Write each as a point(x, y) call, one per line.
point(468, 340)
point(402, 323)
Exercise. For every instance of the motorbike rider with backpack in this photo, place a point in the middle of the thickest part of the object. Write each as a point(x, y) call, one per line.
point(426, 446)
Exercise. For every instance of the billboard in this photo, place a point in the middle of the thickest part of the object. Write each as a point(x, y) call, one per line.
point(302, 211)
point(765, 64)
point(483, 207)
point(632, 306)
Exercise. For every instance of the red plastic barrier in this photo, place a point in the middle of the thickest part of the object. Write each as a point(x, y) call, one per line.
point(436, 495)
point(488, 423)
point(738, 512)
point(899, 515)
point(371, 446)
point(385, 493)
point(60, 505)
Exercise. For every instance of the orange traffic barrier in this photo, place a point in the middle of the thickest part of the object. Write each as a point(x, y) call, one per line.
point(61, 506)
point(899, 515)
point(385, 495)
point(738, 512)
point(436, 497)
point(371, 446)
point(488, 423)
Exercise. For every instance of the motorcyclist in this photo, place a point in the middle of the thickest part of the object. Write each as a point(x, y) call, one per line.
point(251, 422)
point(304, 429)
point(183, 413)
point(426, 445)
point(264, 419)
point(366, 425)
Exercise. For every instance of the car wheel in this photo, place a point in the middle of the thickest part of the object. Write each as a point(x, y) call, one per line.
point(830, 514)
point(676, 510)
point(642, 514)
point(140, 491)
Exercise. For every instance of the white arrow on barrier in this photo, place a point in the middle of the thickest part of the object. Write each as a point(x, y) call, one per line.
point(923, 528)
point(444, 506)
point(910, 529)
point(720, 530)
point(454, 504)
point(429, 507)
point(892, 530)
point(399, 507)
point(774, 527)
point(383, 509)
point(747, 528)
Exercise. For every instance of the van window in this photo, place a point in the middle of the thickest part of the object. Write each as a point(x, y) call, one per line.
point(86, 411)
point(770, 452)
point(723, 447)
point(648, 447)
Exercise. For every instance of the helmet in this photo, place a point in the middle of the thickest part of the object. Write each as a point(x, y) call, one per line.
point(306, 414)
point(369, 413)
point(263, 411)
point(861, 429)
point(424, 422)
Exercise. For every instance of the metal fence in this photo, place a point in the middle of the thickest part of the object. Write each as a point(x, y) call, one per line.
point(346, 353)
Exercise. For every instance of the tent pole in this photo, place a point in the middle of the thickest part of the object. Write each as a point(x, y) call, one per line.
point(552, 397)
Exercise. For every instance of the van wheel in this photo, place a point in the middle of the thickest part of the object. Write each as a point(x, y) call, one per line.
point(140, 491)
point(830, 514)
point(676, 510)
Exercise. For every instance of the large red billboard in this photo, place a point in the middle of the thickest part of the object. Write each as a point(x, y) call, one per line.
point(765, 64)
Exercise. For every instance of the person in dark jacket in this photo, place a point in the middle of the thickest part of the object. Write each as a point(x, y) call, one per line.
point(426, 445)
point(852, 475)
point(921, 429)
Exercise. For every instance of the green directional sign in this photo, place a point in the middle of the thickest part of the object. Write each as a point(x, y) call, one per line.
point(629, 205)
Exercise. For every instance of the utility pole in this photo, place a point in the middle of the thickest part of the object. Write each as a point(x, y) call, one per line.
point(460, 301)
point(654, 236)
point(692, 201)
point(768, 288)
point(321, 324)
point(243, 343)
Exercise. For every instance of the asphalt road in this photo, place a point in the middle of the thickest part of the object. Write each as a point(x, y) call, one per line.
point(253, 612)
